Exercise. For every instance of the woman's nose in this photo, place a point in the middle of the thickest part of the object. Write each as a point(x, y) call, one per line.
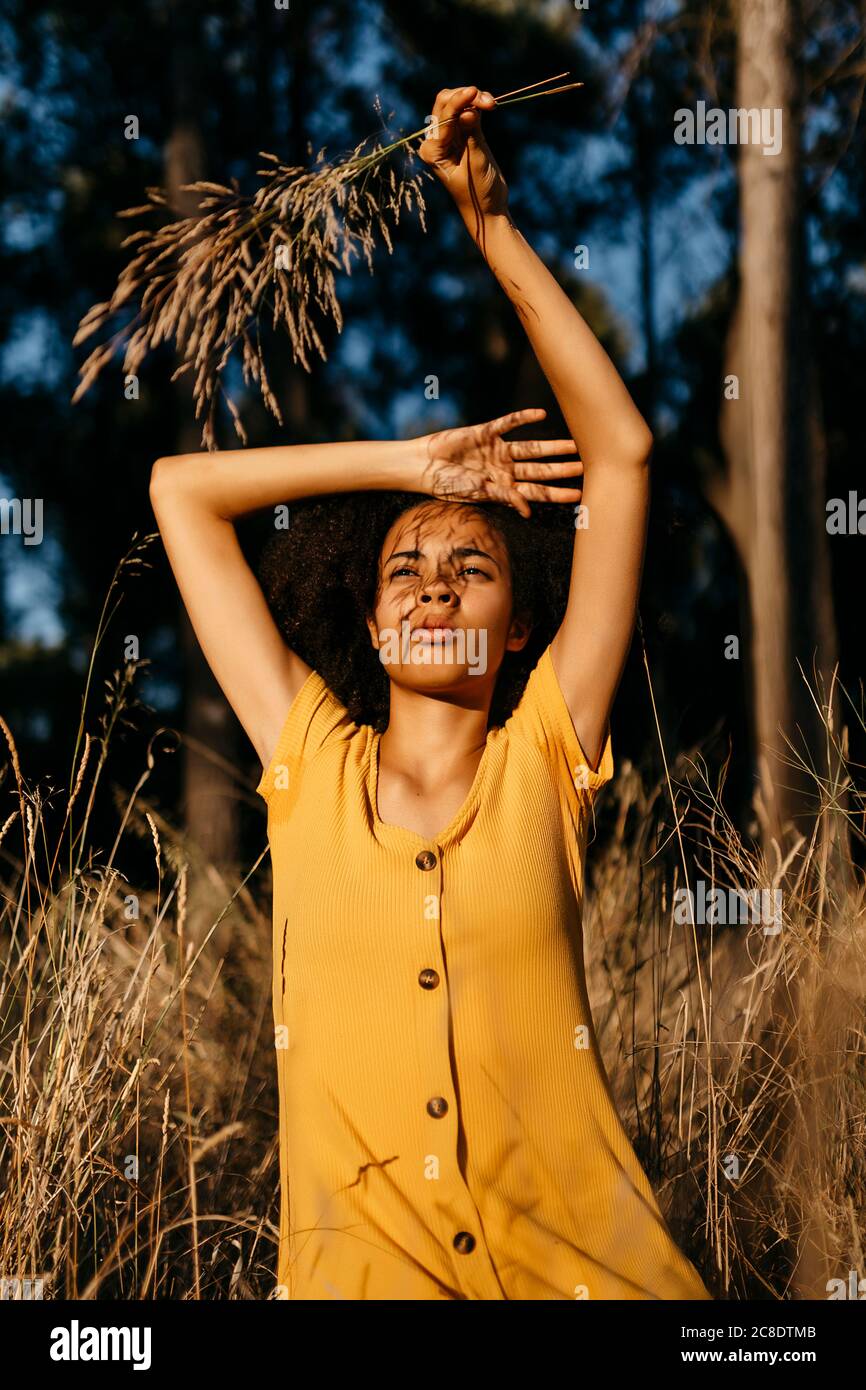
point(442, 592)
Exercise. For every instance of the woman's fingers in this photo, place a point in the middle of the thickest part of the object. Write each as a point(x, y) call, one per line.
point(540, 448)
point(510, 495)
point(520, 494)
point(461, 96)
point(450, 103)
point(456, 118)
point(504, 423)
point(534, 472)
point(519, 503)
point(443, 96)
point(537, 492)
point(479, 103)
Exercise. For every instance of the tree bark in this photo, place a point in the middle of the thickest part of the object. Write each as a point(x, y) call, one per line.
point(209, 793)
point(773, 497)
point(772, 501)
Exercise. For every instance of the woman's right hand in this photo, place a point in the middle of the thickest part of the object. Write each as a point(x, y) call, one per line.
point(473, 463)
point(458, 153)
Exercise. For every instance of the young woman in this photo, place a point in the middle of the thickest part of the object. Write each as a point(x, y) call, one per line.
point(446, 1125)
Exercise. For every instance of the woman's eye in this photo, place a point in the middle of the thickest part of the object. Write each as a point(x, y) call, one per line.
point(407, 569)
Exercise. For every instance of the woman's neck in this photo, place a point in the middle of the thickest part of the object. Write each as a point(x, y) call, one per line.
point(431, 738)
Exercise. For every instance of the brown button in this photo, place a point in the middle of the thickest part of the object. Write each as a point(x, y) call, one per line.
point(426, 859)
point(464, 1241)
point(437, 1106)
point(428, 979)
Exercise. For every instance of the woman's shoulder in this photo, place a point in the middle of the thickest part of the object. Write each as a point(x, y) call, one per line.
point(542, 717)
point(316, 719)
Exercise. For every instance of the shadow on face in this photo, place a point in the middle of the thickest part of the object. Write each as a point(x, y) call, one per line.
point(443, 617)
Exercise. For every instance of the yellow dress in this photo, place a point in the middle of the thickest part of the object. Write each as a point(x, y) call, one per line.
point(446, 1124)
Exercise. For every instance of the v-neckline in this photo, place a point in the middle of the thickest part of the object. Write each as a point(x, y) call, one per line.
point(386, 828)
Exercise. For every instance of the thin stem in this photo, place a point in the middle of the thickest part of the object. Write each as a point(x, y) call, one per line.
point(532, 86)
point(554, 91)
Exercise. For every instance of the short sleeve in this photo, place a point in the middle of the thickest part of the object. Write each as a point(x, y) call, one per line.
point(543, 716)
point(315, 717)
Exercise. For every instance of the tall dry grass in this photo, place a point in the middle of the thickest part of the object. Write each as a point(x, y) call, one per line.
point(138, 1125)
point(137, 1100)
point(737, 1051)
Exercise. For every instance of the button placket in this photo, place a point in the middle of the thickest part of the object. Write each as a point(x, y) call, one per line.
point(475, 1268)
point(429, 862)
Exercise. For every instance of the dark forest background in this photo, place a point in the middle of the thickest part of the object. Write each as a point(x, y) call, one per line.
point(138, 1126)
point(668, 232)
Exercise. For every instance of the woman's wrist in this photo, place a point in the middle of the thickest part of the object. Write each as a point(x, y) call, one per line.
point(404, 463)
point(359, 465)
point(490, 227)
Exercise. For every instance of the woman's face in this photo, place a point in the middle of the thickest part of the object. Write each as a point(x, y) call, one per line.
point(443, 614)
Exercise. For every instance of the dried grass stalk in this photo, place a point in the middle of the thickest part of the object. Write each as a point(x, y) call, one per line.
point(210, 282)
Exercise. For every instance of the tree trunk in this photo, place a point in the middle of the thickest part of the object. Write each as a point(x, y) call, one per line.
point(772, 500)
point(288, 112)
point(209, 794)
point(773, 497)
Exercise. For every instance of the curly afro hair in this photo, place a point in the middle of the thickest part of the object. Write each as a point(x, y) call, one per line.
point(320, 579)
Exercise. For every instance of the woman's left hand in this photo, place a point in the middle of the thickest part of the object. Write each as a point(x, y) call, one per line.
point(459, 154)
point(474, 463)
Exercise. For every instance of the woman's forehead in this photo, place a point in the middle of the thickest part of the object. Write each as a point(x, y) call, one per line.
point(440, 527)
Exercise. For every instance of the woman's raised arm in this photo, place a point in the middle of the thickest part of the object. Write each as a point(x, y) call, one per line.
point(196, 497)
point(591, 645)
point(614, 441)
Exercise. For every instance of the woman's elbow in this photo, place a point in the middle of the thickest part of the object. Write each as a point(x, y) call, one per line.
point(642, 446)
point(164, 476)
point(158, 474)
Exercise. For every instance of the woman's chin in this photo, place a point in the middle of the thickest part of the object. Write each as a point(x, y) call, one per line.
point(428, 672)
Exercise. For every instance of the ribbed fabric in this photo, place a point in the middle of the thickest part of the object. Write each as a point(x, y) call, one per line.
point(529, 1160)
